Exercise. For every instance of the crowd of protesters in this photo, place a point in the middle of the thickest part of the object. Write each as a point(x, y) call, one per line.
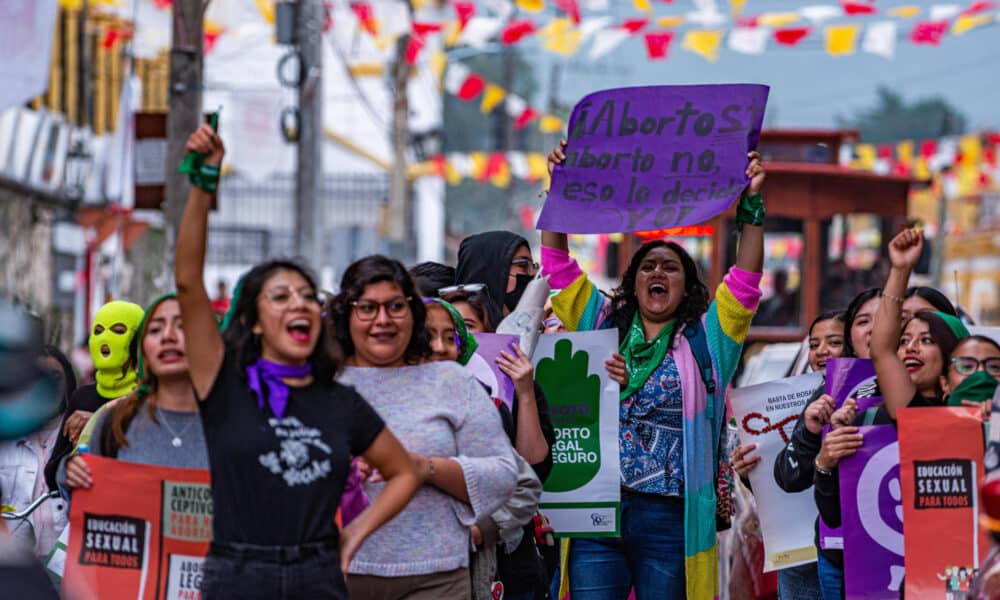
point(303, 406)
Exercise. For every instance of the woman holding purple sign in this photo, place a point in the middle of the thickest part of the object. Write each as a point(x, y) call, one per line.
point(678, 353)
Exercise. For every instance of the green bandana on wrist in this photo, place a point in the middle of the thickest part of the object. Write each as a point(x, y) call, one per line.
point(750, 210)
point(201, 175)
point(643, 357)
point(978, 387)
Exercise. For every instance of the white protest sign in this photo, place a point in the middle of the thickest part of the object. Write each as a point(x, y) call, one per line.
point(582, 496)
point(766, 415)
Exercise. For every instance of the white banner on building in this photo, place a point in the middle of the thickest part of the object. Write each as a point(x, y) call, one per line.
point(27, 28)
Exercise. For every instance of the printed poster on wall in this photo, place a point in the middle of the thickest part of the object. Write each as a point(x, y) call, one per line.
point(139, 532)
point(483, 364)
point(582, 496)
point(766, 415)
point(941, 464)
point(871, 506)
point(655, 157)
point(847, 378)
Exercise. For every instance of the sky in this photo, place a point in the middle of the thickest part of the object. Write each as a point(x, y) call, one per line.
point(809, 88)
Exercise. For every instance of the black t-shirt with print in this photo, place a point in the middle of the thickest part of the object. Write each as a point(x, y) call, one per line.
point(278, 482)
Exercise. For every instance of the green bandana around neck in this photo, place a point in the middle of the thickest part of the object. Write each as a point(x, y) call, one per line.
point(978, 387)
point(643, 357)
point(144, 390)
point(955, 324)
point(464, 339)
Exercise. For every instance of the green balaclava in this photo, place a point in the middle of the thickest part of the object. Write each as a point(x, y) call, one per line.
point(114, 325)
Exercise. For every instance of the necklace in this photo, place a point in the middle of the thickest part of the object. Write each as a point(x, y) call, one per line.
point(176, 442)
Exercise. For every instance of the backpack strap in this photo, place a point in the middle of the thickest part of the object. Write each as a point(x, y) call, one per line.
point(695, 333)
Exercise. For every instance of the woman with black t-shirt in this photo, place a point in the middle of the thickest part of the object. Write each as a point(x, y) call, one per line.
point(279, 431)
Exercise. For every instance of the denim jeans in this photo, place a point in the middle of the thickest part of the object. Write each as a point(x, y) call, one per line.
point(799, 583)
point(315, 577)
point(831, 579)
point(649, 556)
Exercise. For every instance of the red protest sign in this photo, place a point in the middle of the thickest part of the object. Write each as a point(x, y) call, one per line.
point(941, 463)
point(140, 531)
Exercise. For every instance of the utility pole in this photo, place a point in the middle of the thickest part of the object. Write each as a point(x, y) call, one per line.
point(186, 68)
point(309, 161)
point(399, 189)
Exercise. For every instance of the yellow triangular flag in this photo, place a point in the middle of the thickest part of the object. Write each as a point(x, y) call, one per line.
point(972, 150)
point(266, 9)
point(841, 39)
point(493, 96)
point(866, 156)
point(451, 174)
point(478, 160)
point(452, 32)
point(965, 23)
point(670, 21)
point(643, 5)
point(777, 19)
point(561, 36)
point(905, 12)
point(550, 124)
point(538, 166)
point(418, 5)
point(501, 178)
point(904, 153)
point(736, 6)
point(439, 62)
point(530, 5)
point(920, 169)
point(706, 43)
point(71, 4)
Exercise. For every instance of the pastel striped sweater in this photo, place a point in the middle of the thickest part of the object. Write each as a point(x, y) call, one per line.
point(581, 307)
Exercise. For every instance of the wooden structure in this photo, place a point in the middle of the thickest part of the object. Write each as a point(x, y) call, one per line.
point(806, 187)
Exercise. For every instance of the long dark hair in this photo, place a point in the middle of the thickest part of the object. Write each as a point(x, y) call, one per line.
point(368, 271)
point(327, 356)
point(68, 375)
point(625, 303)
point(479, 302)
point(851, 314)
point(938, 300)
point(830, 315)
point(943, 336)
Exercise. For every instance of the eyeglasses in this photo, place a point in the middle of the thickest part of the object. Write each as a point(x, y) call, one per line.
point(367, 310)
point(468, 288)
point(524, 263)
point(967, 365)
point(282, 296)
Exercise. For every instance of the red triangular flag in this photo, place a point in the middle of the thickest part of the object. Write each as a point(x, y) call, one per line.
point(425, 28)
point(978, 7)
point(885, 151)
point(516, 30)
point(858, 8)
point(658, 44)
point(415, 44)
point(210, 38)
point(747, 21)
point(366, 16)
point(494, 165)
point(928, 148)
point(791, 36)
point(439, 165)
point(464, 11)
point(328, 23)
point(471, 87)
point(526, 117)
point(993, 138)
point(571, 9)
point(928, 32)
point(162, 4)
point(634, 26)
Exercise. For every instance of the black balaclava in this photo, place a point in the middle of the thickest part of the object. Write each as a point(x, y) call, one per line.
point(485, 258)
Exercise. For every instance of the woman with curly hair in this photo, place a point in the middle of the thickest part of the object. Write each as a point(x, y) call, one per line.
point(678, 353)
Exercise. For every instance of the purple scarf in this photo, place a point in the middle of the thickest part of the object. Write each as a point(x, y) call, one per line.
point(271, 375)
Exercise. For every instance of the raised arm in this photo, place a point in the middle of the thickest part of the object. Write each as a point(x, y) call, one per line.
point(204, 357)
point(893, 379)
point(750, 254)
point(551, 239)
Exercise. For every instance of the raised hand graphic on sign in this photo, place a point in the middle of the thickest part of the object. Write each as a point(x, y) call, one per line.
point(574, 398)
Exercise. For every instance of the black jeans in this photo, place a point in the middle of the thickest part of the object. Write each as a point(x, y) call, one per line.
point(279, 573)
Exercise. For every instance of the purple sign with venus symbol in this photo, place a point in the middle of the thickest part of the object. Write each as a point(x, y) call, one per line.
point(655, 157)
point(871, 506)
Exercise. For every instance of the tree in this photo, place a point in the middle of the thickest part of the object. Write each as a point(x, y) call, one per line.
point(893, 119)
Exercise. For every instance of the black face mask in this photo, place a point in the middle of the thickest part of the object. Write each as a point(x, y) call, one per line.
point(513, 297)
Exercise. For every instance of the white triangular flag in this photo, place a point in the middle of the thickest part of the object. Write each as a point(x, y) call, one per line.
point(880, 38)
point(590, 26)
point(461, 163)
point(748, 40)
point(607, 40)
point(943, 12)
point(455, 76)
point(518, 164)
point(501, 8)
point(707, 14)
point(821, 12)
point(479, 31)
point(516, 105)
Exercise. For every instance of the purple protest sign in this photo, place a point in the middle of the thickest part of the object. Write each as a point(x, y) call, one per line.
point(847, 378)
point(483, 364)
point(871, 505)
point(655, 157)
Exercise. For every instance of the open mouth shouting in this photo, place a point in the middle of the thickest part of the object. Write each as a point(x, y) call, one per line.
point(170, 356)
point(912, 363)
point(300, 330)
point(105, 351)
point(657, 291)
